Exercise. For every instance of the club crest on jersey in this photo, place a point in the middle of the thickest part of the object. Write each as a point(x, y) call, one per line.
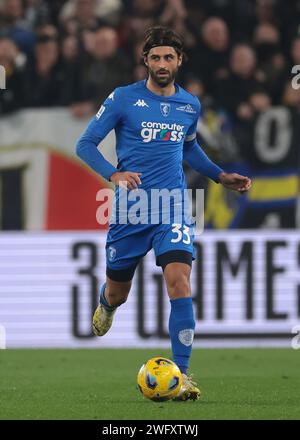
point(112, 252)
point(165, 108)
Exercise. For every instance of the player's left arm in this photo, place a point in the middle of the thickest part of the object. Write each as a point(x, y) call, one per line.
point(199, 161)
point(235, 181)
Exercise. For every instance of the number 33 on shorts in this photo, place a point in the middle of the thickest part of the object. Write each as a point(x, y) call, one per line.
point(182, 233)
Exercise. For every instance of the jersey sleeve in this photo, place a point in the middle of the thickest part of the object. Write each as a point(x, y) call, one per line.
point(192, 131)
point(195, 156)
point(108, 116)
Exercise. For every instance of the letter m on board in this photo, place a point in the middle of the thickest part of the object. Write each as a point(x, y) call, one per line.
point(2, 78)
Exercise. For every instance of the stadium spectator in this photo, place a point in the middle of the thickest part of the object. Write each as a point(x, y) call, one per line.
point(14, 25)
point(265, 11)
point(195, 86)
point(47, 83)
point(295, 50)
point(37, 12)
point(140, 71)
point(77, 15)
point(142, 14)
point(88, 42)
point(291, 97)
point(271, 61)
point(139, 16)
point(234, 92)
point(215, 128)
point(240, 55)
point(105, 68)
point(209, 61)
point(70, 48)
point(260, 101)
point(12, 98)
point(92, 56)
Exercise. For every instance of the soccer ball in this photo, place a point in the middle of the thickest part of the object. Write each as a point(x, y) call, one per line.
point(159, 379)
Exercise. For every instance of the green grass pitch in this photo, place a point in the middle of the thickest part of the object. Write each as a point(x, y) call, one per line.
point(101, 384)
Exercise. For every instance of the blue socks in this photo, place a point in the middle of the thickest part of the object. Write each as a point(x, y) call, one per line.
point(103, 299)
point(181, 330)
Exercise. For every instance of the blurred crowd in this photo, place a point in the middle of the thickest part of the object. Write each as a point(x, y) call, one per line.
point(239, 59)
point(75, 52)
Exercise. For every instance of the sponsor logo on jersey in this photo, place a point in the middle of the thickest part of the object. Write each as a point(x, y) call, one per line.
point(141, 103)
point(165, 108)
point(100, 112)
point(161, 131)
point(186, 108)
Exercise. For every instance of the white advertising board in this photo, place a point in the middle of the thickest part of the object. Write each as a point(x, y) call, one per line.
point(246, 291)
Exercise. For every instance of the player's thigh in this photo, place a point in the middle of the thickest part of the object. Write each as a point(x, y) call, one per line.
point(125, 246)
point(174, 250)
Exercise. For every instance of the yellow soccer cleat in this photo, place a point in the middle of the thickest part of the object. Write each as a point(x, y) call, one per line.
point(102, 320)
point(189, 389)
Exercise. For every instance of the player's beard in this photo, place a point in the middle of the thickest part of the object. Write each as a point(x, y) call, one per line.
point(165, 80)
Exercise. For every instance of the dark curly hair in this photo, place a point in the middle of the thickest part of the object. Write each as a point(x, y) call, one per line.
point(162, 36)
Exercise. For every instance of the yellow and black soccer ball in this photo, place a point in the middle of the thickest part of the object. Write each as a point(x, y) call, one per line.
point(159, 379)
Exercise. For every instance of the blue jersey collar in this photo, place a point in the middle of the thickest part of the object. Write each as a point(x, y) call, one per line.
point(160, 97)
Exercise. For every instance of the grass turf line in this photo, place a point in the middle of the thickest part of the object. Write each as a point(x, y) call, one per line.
point(101, 384)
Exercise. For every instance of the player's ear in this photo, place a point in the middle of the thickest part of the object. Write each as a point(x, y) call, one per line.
point(145, 61)
point(179, 60)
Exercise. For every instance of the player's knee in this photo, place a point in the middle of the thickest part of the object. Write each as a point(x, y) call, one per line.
point(116, 298)
point(117, 293)
point(117, 301)
point(179, 286)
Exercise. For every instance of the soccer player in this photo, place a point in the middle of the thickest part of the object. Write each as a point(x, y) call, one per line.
point(155, 124)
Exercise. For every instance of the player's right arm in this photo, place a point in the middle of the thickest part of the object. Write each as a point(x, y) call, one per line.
point(106, 119)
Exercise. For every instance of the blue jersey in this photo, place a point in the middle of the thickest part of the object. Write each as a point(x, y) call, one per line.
point(150, 132)
point(153, 135)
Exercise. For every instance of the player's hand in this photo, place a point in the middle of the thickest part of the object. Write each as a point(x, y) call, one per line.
point(235, 182)
point(126, 179)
